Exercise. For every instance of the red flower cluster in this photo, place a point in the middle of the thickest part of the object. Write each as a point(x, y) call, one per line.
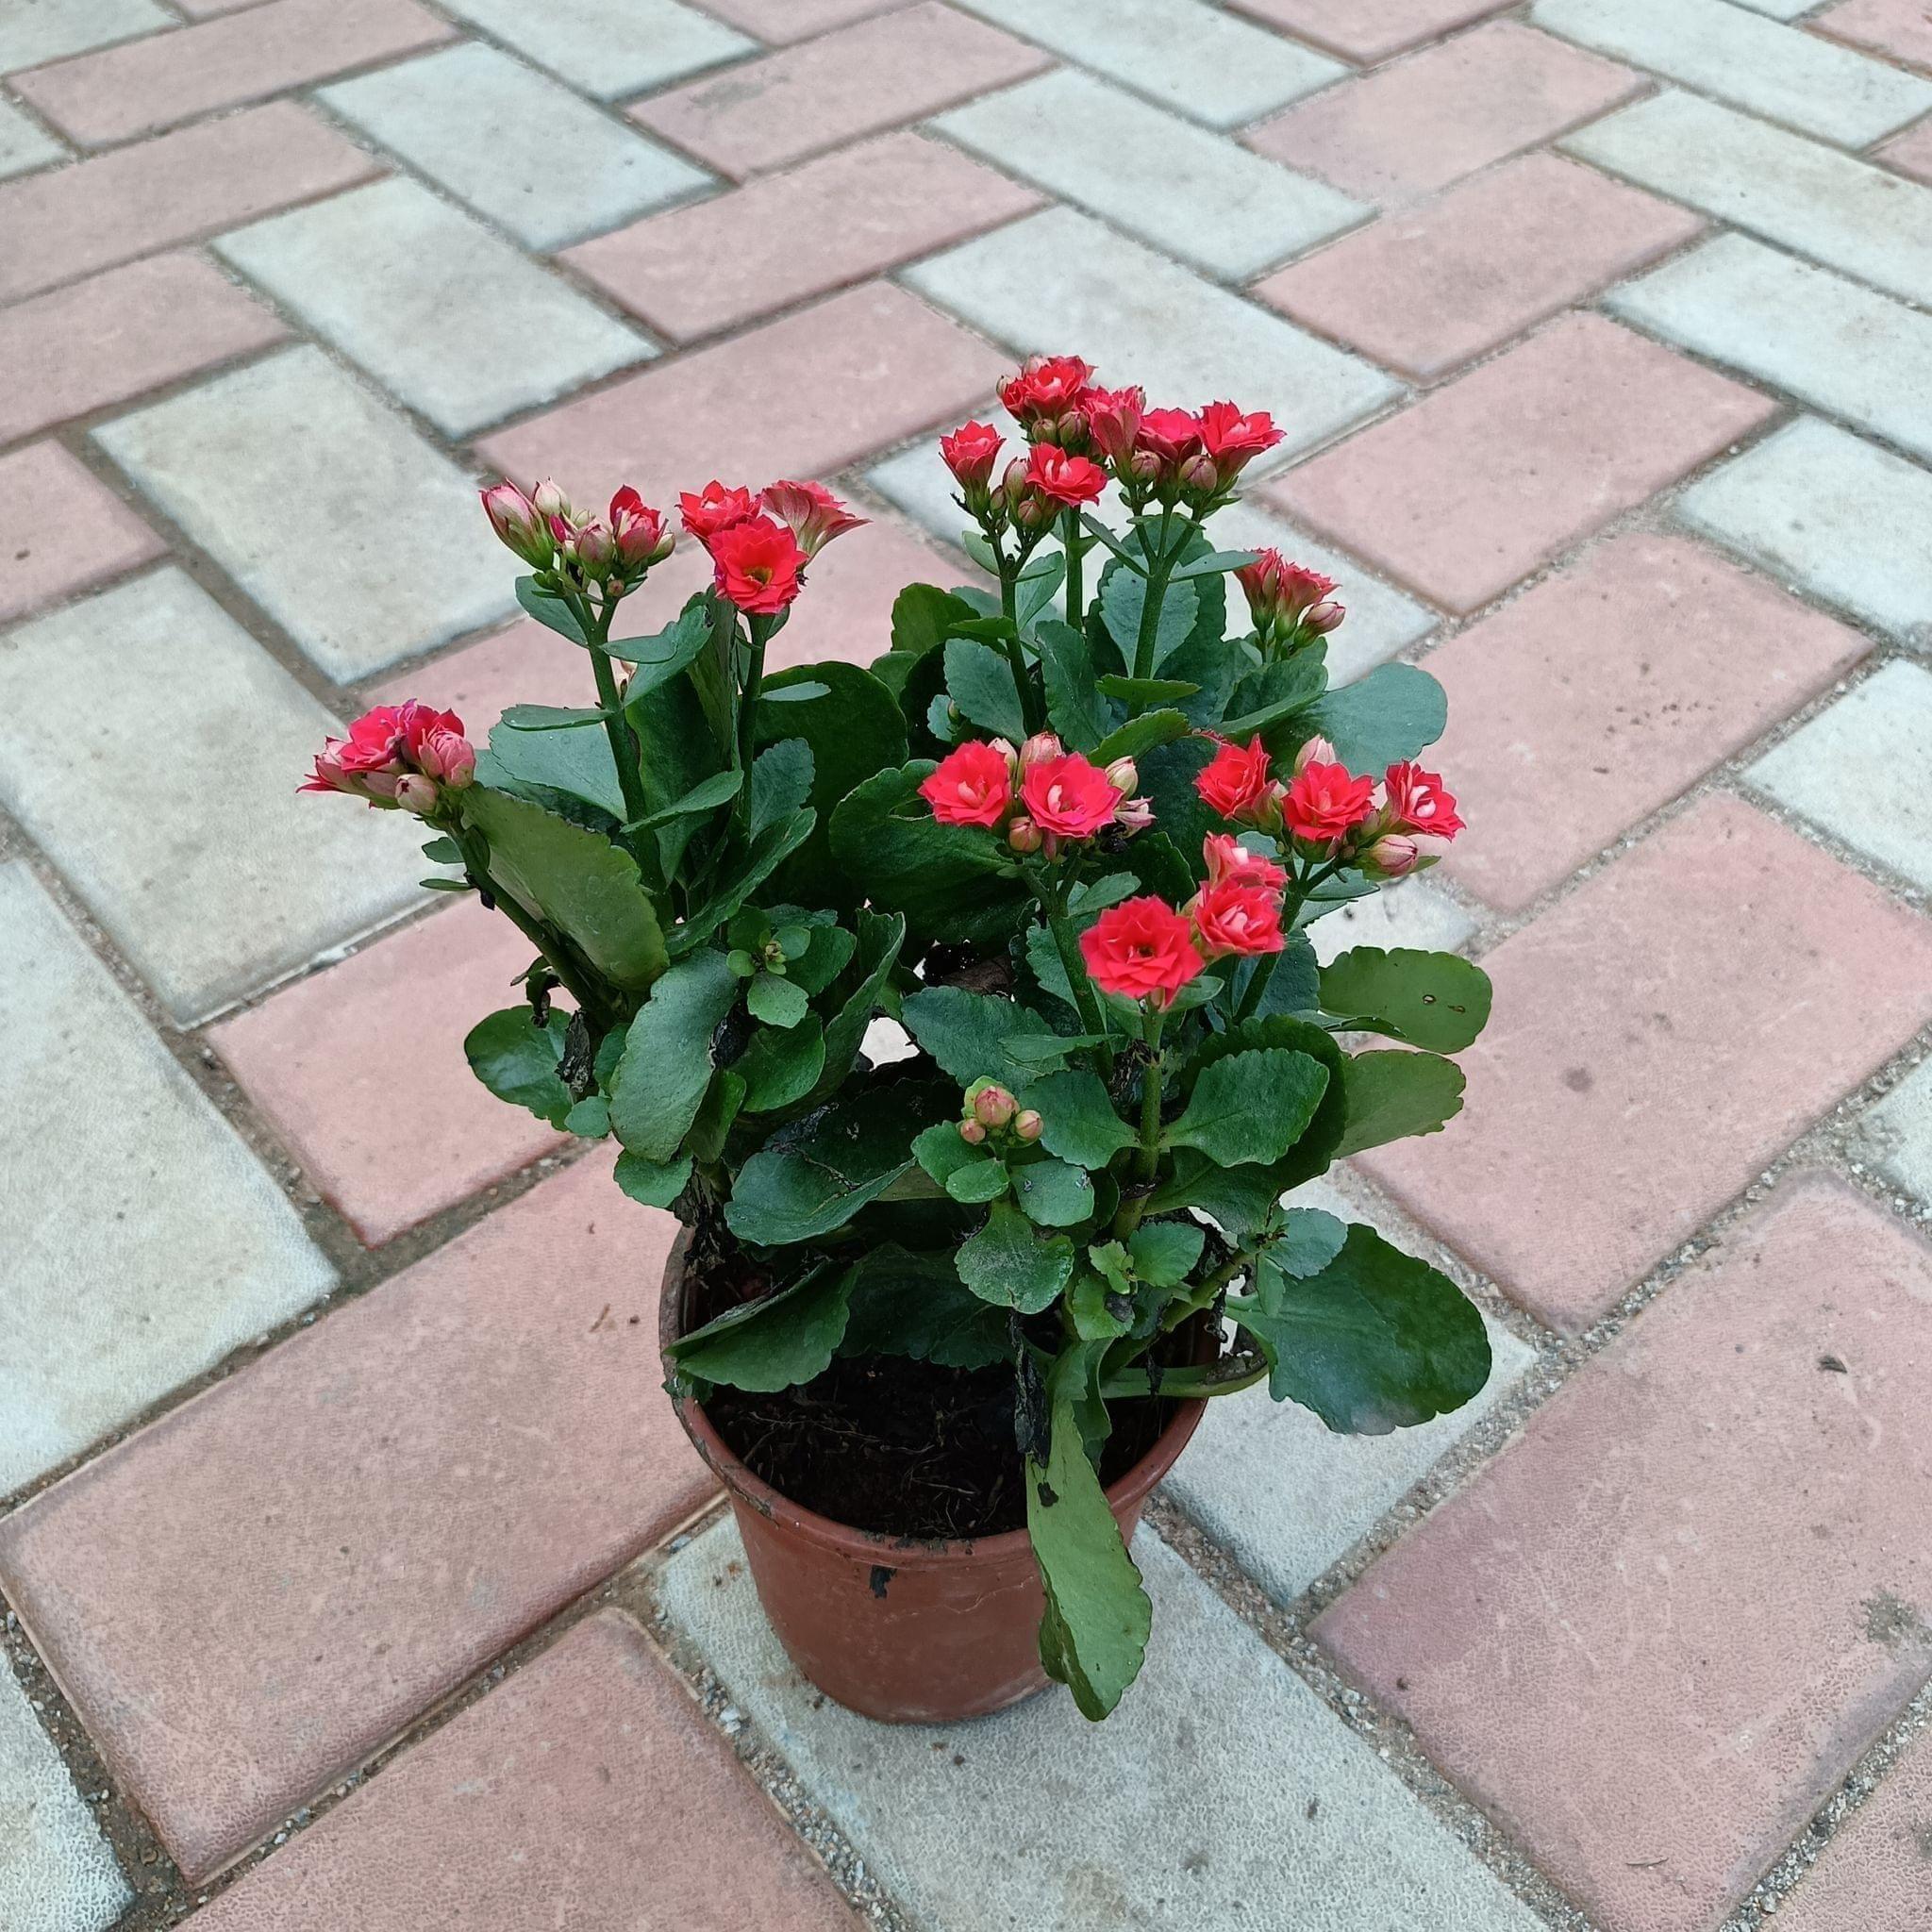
point(1289, 603)
point(1326, 810)
point(397, 755)
point(1061, 795)
point(613, 552)
point(760, 545)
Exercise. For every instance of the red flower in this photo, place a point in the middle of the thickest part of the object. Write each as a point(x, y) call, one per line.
point(1236, 782)
point(756, 565)
point(1282, 595)
point(971, 452)
point(637, 531)
point(1230, 863)
point(1237, 918)
point(972, 785)
point(1045, 388)
point(1113, 419)
point(1417, 802)
point(714, 509)
point(1070, 480)
point(1234, 440)
point(811, 511)
point(1140, 949)
point(396, 754)
point(1169, 436)
point(1324, 804)
point(1069, 796)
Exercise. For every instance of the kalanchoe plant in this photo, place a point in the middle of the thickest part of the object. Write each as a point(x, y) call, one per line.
point(1068, 835)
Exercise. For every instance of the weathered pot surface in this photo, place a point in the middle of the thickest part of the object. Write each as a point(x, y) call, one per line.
point(904, 1630)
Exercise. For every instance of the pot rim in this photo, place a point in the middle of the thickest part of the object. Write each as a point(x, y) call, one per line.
point(1126, 1492)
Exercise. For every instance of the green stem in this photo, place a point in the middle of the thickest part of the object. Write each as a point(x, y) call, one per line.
point(623, 746)
point(1069, 541)
point(759, 629)
point(1016, 653)
point(583, 990)
point(1068, 946)
point(1147, 1156)
point(1225, 1378)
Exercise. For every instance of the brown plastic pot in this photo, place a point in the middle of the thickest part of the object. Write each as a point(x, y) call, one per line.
point(904, 1630)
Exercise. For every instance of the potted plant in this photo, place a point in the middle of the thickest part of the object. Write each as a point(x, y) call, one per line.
point(941, 1318)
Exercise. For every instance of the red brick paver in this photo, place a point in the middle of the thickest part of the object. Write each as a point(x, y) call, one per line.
point(588, 1790)
point(1902, 29)
point(1420, 124)
point(780, 22)
point(326, 1059)
point(1658, 1036)
point(1483, 481)
point(1654, 1634)
point(874, 75)
point(143, 86)
point(1428, 290)
point(70, 222)
point(253, 1594)
point(1912, 153)
point(1599, 695)
point(63, 530)
point(1368, 30)
point(1875, 1872)
point(807, 394)
point(698, 270)
point(114, 336)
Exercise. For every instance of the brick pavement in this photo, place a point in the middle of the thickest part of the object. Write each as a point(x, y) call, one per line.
point(1601, 334)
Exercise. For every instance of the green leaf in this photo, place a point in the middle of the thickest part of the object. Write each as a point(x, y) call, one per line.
point(717, 1111)
point(977, 1182)
point(1076, 710)
point(1035, 591)
point(1098, 894)
point(1145, 693)
point(590, 1119)
point(780, 1068)
point(1099, 1312)
point(1437, 1000)
point(1309, 1239)
point(768, 852)
point(781, 779)
point(980, 682)
point(1214, 563)
point(952, 882)
point(942, 1152)
point(1294, 986)
point(828, 955)
point(655, 1183)
point(1378, 1340)
point(916, 1306)
point(924, 616)
point(1389, 715)
point(720, 788)
point(1050, 1193)
point(1167, 776)
point(574, 880)
point(812, 1176)
point(1394, 1095)
point(1139, 736)
point(549, 718)
point(1008, 1264)
point(1093, 1636)
point(968, 1033)
point(879, 941)
point(517, 1061)
point(444, 851)
point(1280, 689)
point(776, 1001)
point(667, 1061)
point(1250, 1108)
point(1122, 597)
point(552, 612)
point(655, 661)
point(778, 1342)
point(679, 749)
point(578, 763)
point(1165, 1253)
point(1077, 1119)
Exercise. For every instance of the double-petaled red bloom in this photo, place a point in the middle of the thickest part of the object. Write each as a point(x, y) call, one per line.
point(970, 453)
point(1141, 949)
point(972, 785)
point(811, 511)
point(397, 755)
point(1417, 802)
point(714, 508)
point(1235, 783)
point(1325, 803)
point(1234, 438)
point(1046, 389)
point(1068, 480)
point(756, 565)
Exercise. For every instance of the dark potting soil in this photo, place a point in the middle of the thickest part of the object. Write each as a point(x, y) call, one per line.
point(903, 1447)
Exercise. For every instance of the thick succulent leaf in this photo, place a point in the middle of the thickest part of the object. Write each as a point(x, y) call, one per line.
point(1378, 1340)
point(572, 880)
point(1437, 1000)
point(1077, 1119)
point(924, 616)
point(1309, 1239)
point(655, 661)
point(517, 1059)
point(980, 681)
point(972, 1035)
point(1008, 1264)
point(1165, 1253)
point(775, 1343)
point(1123, 600)
point(667, 1061)
point(1249, 1109)
point(1051, 1192)
point(552, 612)
point(532, 761)
point(654, 1183)
point(916, 1306)
point(679, 750)
point(1167, 777)
point(879, 941)
point(776, 1001)
point(1393, 1095)
point(1093, 1636)
point(1294, 986)
point(1391, 714)
point(1074, 706)
point(781, 776)
point(767, 853)
point(780, 1066)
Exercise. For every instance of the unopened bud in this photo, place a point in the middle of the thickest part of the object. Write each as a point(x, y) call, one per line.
point(1038, 749)
point(1323, 617)
point(1123, 774)
point(1133, 815)
point(1013, 480)
point(971, 1133)
point(1317, 750)
point(596, 548)
point(993, 1106)
point(1028, 1125)
point(549, 500)
point(1391, 857)
point(416, 794)
point(1199, 475)
point(1024, 836)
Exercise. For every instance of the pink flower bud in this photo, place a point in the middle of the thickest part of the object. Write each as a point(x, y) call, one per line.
point(416, 794)
point(1317, 750)
point(1391, 857)
point(1013, 480)
point(1123, 774)
point(1133, 815)
point(518, 526)
point(971, 1133)
point(638, 533)
point(1323, 617)
point(549, 501)
point(993, 1106)
point(1199, 475)
point(448, 756)
point(1027, 1126)
point(1039, 748)
point(1024, 836)
point(595, 549)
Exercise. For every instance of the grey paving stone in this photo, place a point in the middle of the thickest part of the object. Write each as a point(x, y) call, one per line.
point(1777, 185)
point(32, 31)
point(57, 1873)
point(151, 747)
point(1832, 515)
point(1197, 195)
point(610, 48)
point(365, 543)
point(1780, 10)
point(1780, 71)
point(1289, 1498)
point(1896, 1135)
point(23, 144)
point(1858, 770)
point(1843, 348)
point(142, 1240)
point(1059, 279)
point(1188, 1810)
point(534, 157)
point(1196, 59)
point(1411, 913)
point(447, 315)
